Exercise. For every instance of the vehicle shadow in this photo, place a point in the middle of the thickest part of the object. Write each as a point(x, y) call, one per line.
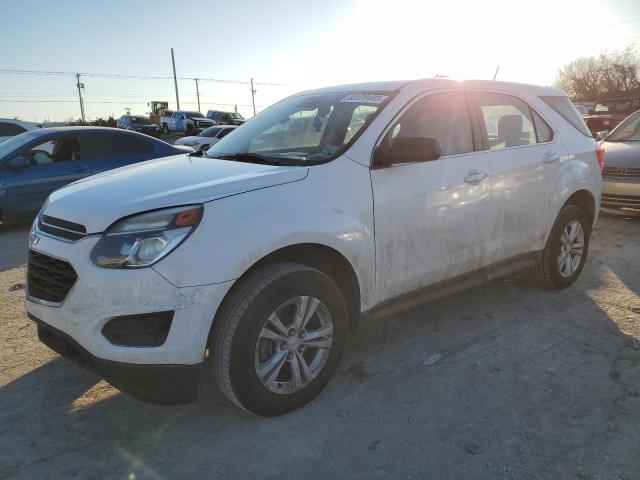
point(497, 382)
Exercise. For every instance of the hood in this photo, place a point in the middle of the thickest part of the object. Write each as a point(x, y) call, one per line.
point(98, 201)
point(150, 126)
point(621, 154)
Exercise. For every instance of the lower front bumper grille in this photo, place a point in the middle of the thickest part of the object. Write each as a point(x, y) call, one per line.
point(48, 278)
point(620, 201)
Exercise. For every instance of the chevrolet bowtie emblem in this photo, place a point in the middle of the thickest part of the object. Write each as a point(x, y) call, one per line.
point(33, 239)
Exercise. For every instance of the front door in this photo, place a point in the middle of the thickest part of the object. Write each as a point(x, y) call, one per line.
point(433, 220)
point(53, 163)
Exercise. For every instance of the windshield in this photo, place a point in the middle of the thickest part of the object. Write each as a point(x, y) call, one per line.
point(236, 116)
point(305, 128)
point(194, 115)
point(627, 131)
point(209, 132)
point(14, 143)
point(141, 121)
point(601, 107)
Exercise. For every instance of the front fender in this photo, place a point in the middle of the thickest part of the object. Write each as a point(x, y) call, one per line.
point(331, 207)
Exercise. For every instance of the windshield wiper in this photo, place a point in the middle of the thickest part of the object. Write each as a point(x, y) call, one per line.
point(249, 157)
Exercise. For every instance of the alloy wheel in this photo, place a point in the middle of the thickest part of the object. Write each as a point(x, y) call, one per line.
point(294, 345)
point(571, 248)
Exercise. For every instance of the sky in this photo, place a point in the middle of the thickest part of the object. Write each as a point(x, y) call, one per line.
point(285, 45)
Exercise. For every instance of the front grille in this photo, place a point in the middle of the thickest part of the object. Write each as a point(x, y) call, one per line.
point(48, 278)
point(620, 201)
point(621, 172)
point(61, 228)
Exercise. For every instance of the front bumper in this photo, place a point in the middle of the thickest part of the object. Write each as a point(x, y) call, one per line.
point(621, 196)
point(98, 295)
point(159, 384)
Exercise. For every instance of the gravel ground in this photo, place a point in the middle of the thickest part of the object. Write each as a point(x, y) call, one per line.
point(502, 381)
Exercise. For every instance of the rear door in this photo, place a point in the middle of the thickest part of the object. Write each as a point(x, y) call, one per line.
point(109, 150)
point(524, 157)
point(53, 163)
point(433, 220)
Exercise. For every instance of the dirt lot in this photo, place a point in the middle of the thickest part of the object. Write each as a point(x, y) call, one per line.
point(502, 381)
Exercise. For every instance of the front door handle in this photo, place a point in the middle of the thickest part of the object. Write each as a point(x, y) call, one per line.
point(475, 176)
point(551, 157)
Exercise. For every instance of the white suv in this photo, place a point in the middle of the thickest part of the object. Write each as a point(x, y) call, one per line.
point(256, 256)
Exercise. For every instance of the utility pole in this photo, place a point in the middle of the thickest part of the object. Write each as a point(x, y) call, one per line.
point(198, 94)
point(175, 79)
point(253, 98)
point(80, 85)
point(496, 74)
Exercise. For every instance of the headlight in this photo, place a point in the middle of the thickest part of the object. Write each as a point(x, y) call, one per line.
point(142, 240)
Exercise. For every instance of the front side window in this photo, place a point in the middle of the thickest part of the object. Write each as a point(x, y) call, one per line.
point(305, 128)
point(209, 132)
point(507, 120)
point(443, 116)
point(56, 150)
point(224, 132)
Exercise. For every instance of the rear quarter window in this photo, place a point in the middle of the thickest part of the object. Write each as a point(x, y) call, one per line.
point(564, 108)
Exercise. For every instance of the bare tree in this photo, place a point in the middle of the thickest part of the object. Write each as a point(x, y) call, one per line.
point(609, 74)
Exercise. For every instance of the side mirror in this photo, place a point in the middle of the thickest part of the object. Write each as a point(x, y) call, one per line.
point(19, 162)
point(601, 135)
point(409, 150)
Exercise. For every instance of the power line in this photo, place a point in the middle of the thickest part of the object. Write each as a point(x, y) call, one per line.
point(138, 77)
point(123, 102)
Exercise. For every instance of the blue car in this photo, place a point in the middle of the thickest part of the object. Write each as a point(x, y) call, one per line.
point(35, 163)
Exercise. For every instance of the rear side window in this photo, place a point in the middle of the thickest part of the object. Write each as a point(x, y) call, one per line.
point(564, 108)
point(109, 146)
point(543, 131)
point(444, 116)
point(10, 129)
point(507, 119)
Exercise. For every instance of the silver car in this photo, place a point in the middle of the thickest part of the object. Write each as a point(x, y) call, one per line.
point(621, 176)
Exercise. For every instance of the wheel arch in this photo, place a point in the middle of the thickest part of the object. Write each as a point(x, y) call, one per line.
point(585, 200)
point(321, 257)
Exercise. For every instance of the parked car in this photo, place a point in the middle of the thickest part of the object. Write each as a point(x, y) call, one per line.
point(607, 114)
point(225, 118)
point(10, 127)
point(35, 163)
point(206, 138)
point(259, 254)
point(138, 124)
point(621, 176)
point(185, 122)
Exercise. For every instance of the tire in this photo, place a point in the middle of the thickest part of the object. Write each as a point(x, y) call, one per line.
point(237, 344)
point(548, 271)
point(165, 129)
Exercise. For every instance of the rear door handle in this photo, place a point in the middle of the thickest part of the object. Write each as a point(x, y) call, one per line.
point(551, 157)
point(474, 176)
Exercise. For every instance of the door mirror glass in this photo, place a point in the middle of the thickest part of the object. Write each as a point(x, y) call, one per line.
point(601, 135)
point(19, 162)
point(410, 150)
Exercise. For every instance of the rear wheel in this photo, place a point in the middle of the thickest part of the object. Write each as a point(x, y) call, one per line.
point(565, 253)
point(279, 338)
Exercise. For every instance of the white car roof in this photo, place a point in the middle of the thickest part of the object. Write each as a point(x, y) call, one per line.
point(432, 83)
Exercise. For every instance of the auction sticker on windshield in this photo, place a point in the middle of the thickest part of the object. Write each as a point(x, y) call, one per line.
point(364, 98)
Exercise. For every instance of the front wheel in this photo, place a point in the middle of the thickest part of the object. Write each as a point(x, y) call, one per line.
point(565, 253)
point(279, 338)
